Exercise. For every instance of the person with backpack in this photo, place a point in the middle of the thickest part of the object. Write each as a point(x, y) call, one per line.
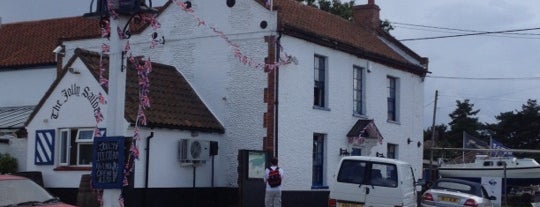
point(273, 178)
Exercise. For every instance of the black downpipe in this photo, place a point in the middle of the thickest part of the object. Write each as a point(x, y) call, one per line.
point(276, 96)
point(146, 167)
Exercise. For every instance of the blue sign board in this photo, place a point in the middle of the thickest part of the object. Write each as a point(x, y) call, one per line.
point(108, 162)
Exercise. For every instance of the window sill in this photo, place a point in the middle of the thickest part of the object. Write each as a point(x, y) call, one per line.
point(73, 168)
point(319, 187)
point(321, 108)
point(393, 122)
point(359, 115)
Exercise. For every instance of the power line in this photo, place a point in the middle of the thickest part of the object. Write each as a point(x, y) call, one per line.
point(455, 29)
point(469, 34)
point(483, 78)
point(505, 35)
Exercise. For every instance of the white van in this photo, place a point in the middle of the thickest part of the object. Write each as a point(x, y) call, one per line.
point(363, 181)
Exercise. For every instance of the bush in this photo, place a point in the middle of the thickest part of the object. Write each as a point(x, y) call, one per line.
point(8, 164)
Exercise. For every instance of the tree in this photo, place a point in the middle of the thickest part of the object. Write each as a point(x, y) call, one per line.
point(463, 119)
point(519, 129)
point(343, 10)
point(439, 138)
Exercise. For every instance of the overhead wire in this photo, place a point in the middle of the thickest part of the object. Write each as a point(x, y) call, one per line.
point(504, 35)
point(483, 78)
point(500, 33)
point(458, 30)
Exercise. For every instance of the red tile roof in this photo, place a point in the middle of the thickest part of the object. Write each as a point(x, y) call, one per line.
point(28, 44)
point(315, 25)
point(174, 104)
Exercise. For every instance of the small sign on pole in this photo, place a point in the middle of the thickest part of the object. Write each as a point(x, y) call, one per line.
point(108, 162)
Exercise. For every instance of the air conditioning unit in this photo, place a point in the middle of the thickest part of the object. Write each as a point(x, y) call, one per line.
point(193, 150)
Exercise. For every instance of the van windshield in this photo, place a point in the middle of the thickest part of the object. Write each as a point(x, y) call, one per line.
point(352, 171)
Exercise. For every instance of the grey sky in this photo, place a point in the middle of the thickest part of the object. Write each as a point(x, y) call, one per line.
point(481, 56)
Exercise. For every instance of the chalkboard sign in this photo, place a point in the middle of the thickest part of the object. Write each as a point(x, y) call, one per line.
point(108, 162)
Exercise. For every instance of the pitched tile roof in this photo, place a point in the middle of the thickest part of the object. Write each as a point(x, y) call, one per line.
point(174, 104)
point(315, 25)
point(28, 44)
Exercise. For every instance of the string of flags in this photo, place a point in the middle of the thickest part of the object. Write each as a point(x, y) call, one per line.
point(144, 67)
point(238, 54)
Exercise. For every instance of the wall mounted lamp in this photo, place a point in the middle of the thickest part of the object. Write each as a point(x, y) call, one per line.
point(409, 140)
point(73, 71)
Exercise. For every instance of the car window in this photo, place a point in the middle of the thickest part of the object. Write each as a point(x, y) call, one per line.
point(383, 174)
point(352, 171)
point(455, 186)
point(18, 191)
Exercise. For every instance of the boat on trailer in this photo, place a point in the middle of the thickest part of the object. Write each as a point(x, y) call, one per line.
point(516, 170)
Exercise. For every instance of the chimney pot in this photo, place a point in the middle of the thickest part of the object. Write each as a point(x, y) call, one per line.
point(371, 2)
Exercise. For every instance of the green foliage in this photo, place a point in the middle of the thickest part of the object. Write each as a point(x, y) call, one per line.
point(387, 26)
point(519, 129)
point(8, 164)
point(343, 10)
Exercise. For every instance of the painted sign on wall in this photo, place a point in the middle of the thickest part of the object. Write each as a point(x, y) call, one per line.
point(108, 162)
point(75, 90)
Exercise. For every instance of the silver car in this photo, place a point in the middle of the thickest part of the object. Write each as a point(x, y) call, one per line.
point(454, 192)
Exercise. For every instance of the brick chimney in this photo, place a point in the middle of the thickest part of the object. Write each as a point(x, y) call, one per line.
point(367, 15)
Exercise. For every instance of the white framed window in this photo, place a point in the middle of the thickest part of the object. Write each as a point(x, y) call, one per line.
point(65, 145)
point(392, 151)
point(358, 91)
point(76, 146)
point(392, 100)
point(320, 82)
point(318, 169)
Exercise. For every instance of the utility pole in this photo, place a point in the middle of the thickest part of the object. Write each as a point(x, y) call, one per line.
point(433, 137)
point(115, 119)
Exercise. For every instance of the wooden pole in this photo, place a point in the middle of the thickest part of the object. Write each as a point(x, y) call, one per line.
point(433, 137)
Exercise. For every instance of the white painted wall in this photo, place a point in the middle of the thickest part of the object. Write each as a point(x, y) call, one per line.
point(164, 171)
point(298, 120)
point(25, 87)
point(232, 91)
point(76, 111)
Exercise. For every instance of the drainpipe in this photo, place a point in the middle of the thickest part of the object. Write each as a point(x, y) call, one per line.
point(276, 96)
point(146, 167)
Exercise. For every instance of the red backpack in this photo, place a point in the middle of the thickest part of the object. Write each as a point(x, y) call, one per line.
point(274, 178)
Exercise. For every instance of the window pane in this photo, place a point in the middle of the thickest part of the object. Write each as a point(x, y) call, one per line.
point(358, 101)
point(392, 94)
point(85, 154)
point(319, 81)
point(318, 160)
point(392, 151)
point(64, 144)
point(352, 171)
point(383, 175)
point(85, 135)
